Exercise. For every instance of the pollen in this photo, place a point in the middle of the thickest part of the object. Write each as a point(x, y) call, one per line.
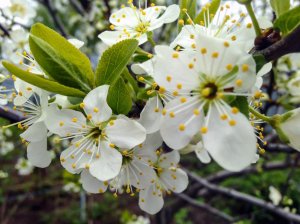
point(232, 122)
point(61, 123)
point(192, 36)
point(203, 51)
point(112, 145)
point(175, 55)
point(74, 119)
point(182, 99)
point(245, 68)
point(215, 55)
point(224, 117)
point(257, 94)
point(175, 93)
point(179, 86)
point(89, 117)
point(73, 165)
point(181, 127)
point(239, 82)
point(169, 78)
point(226, 44)
point(233, 38)
point(205, 92)
point(162, 90)
point(196, 112)
point(141, 79)
point(29, 88)
point(204, 130)
point(111, 123)
point(229, 67)
point(191, 66)
point(193, 46)
point(156, 110)
point(181, 22)
point(172, 114)
point(62, 160)
point(87, 166)
point(164, 112)
point(249, 25)
point(235, 110)
point(96, 109)
point(112, 27)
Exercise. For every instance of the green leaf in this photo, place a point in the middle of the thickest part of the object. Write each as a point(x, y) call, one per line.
point(280, 6)
point(260, 61)
point(288, 21)
point(211, 9)
point(191, 7)
point(241, 102)
point(119, 98)
point(41, 82)
point(60, 59)
point(114, 60)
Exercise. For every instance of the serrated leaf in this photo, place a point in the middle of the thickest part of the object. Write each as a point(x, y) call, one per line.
point(212, 9)
point(241, 102)
point(288, 21)
point(41, 82)
point(280, 6)
point(119, 98)
point(114, 60)
point(59, 59)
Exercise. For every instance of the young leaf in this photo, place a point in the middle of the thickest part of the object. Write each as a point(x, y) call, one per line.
point(114, 60)
point(280, 6)
point(209, 10)
point(241, 103)
point(59, 59)
point(288, 21)
point(191, 7)
point(119, 98)
point(41, 82)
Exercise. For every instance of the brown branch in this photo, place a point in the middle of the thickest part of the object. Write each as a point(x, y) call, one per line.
point(246, 198)
point(287, 45)
point(5, 31)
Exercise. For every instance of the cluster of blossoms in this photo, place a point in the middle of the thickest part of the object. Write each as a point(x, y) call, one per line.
point(194, 90)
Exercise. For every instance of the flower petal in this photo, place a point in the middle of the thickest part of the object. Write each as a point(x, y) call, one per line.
point(96, 106)
point(170, 15)
point(125, 17)
point(125, 133)
point(232, 147)
point(92, 184)
point(175, 179)
point(170, 159)
point(108, 165)
point(151, 200)
point(35, 133)
point(202, 153)
point(38, 155)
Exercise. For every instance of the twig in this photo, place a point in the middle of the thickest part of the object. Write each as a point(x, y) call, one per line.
point(246, 198)
point(205, 207)
point(5, 31)
point(11, 115)
point(78, 7)
point(289, 44)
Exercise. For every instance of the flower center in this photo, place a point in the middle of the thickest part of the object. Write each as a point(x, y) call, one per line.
point(17, 8)
point(142, 27)
point(209, 91)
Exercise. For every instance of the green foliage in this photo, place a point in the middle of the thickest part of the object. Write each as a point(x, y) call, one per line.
point(288, 21)
point(59, 59)
point(259, 60)
point(119, 98)
point(280, 6)
point(210, 10)
point(114, 61)
point(41, 82)
point(181, 217)
point(191, 8)
point(241, 102)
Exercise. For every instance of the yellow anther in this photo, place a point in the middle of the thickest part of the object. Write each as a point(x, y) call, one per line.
point(82, 105)
point(112, 27)
point(100, 190)
point(162, 90)
point(175, 55)
point(191, 66)
point(249, 25)
point(204, 130)
point(164, 112)
point(181, 127)
point(96, 110)
point(215, 55)
point(196, 112)
point(257, 94)
point(184, 10)
point(20, 126)
point(190, 21)
point(156, 110)
point(89, 117)
point(87, 166)
point(194, 46)
point(61, 123)
point(111, 123)
point(203, 51)
point(181, 22)
point(172, 114)
point(169, 78)
point(232, 122)
point(141, 79)
point(20, 93)
point(182, 99)
point(235, 110)
point(192, 36)
point(245, 68)
point(13, 77)
point(97, 155)
point(206, 92)
point(74, 119)
point(62, 160)
point(73, 165)
point(29, 88)
point(112, 145)
point(229, 67)
point(226, 44)
point(150, 55)
point(179, 86)
point(239, 82)
point(175, 93)
point(233, 38)
point(224, 117)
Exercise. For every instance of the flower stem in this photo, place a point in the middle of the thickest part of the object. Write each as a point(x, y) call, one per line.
point(259, 115)
point(253, 18)
point(150, 39)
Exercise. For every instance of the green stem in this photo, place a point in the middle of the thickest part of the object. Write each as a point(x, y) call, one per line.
point(142, 52)
point(259, 115)
point(131, 80)
point(253, 18)
point(150, 39)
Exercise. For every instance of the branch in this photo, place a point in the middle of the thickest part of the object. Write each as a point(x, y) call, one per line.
point(289, 44)
point(205, 207)
point(10, 115)
point(78, 7)
point(246, 198)
point(5, 31)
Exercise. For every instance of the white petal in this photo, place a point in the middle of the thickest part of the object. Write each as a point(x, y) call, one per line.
point(92, 184)
point(125, 17)
point(176, 179)
point(108, 165)
point(125, 133)
point(170, 15)
point(95, 104)
point(144, 68)
point(170, 159)
point(38, 155)
point(151, 116)
point(35, 132)
point(170, 127)
point(232, 147)
point(111, 37)
point(202, 153)
point(151, 200)
point(77, 43)
point(151, 13)
point(186, 38)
